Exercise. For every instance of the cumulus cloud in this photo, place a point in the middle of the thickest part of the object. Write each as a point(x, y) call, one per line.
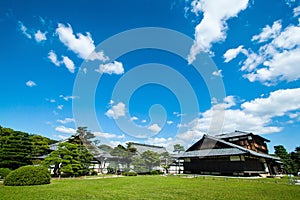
point(53, 58)
point(82, 45)
point(268, 32)
point(30, 83)
point(256, 116)
point(40, 36)
point(159, 141)
point(116, 111)
point(24, 30)
point(66, 120)
point(109, 135)
point(64, 129)
point(232, 53)
point(154, 128)
point(296, 11)
point(68, 63)
point(111, 68)
point(277, 57)
point(212, 28)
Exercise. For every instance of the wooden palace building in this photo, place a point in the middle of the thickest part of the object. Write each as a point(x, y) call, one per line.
point(237, 153)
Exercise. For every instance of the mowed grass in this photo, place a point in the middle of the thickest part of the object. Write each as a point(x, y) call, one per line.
point(155, 187)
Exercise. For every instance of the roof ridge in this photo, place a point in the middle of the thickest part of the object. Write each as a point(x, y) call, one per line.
point(239, 147)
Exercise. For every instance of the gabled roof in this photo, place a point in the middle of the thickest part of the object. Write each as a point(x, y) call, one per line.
point(145, 147)
point(239, 134)
point(233, 150)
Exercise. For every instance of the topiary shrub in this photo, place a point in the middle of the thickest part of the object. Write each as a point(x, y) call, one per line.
point(4, 172)
point(28, 175)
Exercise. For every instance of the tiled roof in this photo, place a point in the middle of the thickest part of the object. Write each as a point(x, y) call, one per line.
point(145, 147)
point(237, 134)
point(232, 134)
point(234, 150)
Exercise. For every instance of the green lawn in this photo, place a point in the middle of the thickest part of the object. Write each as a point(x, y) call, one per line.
point(155, 187)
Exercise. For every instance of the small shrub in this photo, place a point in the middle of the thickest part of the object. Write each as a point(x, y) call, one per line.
point(28, 175)
point(4, 172)
point(129, 174)
point(94, 173)
point(154, 172)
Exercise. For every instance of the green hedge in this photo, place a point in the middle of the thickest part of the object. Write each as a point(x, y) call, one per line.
point(28, 175)
point(4, 172)
point(129, 174)
point(156, 172)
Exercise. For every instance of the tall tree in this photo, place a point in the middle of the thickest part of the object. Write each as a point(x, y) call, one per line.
point(40, 145)
point(178, 148)
point(139, 164)
point(288, 164)
point(69, 158)
point(151, 159)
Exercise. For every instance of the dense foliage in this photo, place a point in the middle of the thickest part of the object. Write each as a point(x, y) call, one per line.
point(70, 158)
point(4, 172)
point(291, 161)
point(19, 148)
point(28, 175)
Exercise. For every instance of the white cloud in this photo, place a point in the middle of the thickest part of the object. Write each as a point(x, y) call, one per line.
point(277, 104)
point(52, 100)
point(170, 122)
point(53, 58)
point(296, 11)
point(144, 121)
point(60, 107)
point(158, 141)
point(232, 53)
point(66, 98)
point(177, 114)
point(30, 83)
point(23, 29)
point(111, 68)
point(64, 129)
point(62, 137)
point(217, 73)
point(268, 32)
point(66, 120)
point(40, 36)
point(255, 116)
point(278, 59)
point(213, 26)
point(82, 45)
point(116, 111)
point(68, 63)
point(154, 128)
point(134, 118)
point(108, 135)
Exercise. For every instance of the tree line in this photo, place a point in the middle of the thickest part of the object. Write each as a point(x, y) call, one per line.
point(290, 161)
point(74, 156)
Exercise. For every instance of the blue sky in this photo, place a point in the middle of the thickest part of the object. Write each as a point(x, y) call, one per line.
point(239, 69)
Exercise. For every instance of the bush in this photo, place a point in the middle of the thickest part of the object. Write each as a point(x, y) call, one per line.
point(94, 173)
point(4, 172)
point(156, 172)
point(129, 174)
point(28, 175)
